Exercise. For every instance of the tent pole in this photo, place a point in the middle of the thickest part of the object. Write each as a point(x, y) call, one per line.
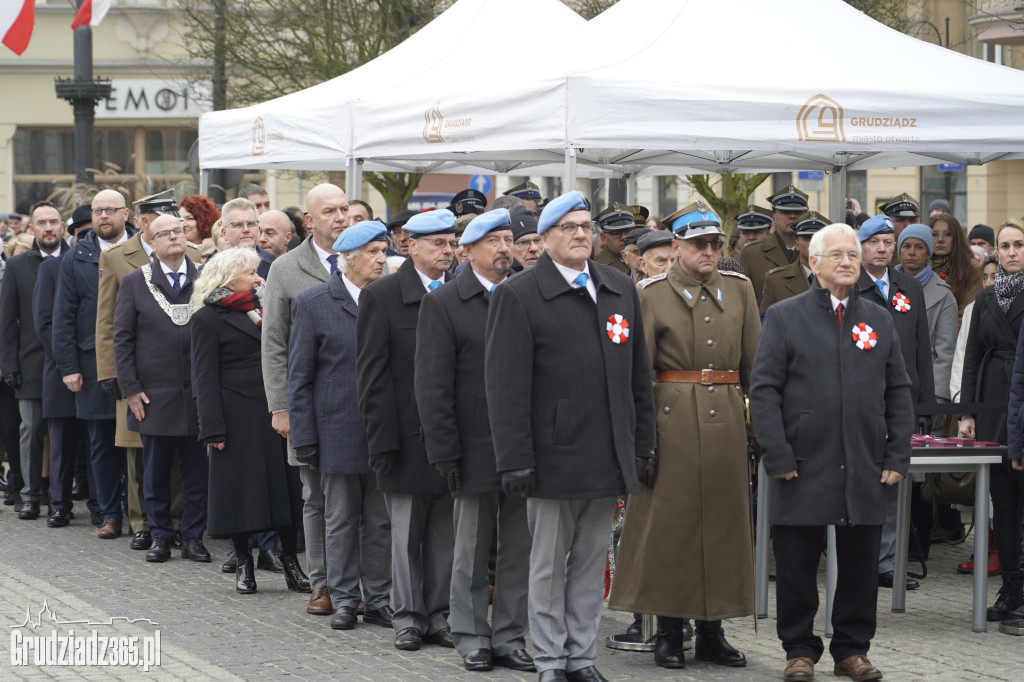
point(356, 176)
point(204, 182)
point(837, 193)
point(569, 178)
point(630, 188)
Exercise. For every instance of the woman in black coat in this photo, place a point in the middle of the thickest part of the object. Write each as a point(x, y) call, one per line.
point(252, 487)
point(988, 364)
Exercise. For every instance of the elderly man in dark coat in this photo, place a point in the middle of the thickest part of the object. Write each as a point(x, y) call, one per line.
point(153, 351)
point(831, 453)
point(450, 395)
point(418, 500)
point(572, 415)
point(328, 431)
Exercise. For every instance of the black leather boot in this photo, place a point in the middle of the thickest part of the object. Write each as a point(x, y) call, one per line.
point(668, 645)
point(293, 575)
point(245, 575)
point(1010, 597)
point(711, 645)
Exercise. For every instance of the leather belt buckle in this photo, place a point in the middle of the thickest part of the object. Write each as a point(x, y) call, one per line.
point(707, 377)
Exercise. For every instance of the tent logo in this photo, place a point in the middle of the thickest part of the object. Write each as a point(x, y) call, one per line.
point(259, 137)
point(433, 120)
point(820, 120)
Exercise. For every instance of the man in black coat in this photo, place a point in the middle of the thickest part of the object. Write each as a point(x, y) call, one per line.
point(450, 396)
point(153, 353)
point(903, 297)
point(417, 497)
point(834, 416)
point(570, 400)
point(21, 354)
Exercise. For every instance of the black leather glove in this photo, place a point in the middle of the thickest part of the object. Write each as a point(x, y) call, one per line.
point(452, 472)
point(13, 379)
point(647, 470)
point(111, 388)
point(383, 462)
point(307, 454)
point(519, 481)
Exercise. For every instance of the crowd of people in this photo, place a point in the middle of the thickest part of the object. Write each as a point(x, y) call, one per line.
point(444, 411)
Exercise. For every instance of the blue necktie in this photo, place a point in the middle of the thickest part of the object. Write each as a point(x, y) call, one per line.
point(880, 283)
point(434, 285)
point(333, 260)
point(580, 281)
point(493, 287)
point(177, 282)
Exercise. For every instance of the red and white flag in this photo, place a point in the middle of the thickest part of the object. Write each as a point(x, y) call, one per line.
point(17, 19)
point(91, 13)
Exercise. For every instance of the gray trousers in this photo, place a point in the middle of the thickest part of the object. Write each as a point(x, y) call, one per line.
point(887, 551)
point(32, 432)
point(567, 560)
point(358, 540)
point(477, 517)
point(313, 526)
point(422, 539)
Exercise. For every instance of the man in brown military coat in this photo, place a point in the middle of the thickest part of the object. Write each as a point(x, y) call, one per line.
point(789, 280)
point(614, 224)
point(779, 249)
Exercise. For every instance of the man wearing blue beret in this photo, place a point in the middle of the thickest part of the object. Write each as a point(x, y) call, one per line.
point(572, 416)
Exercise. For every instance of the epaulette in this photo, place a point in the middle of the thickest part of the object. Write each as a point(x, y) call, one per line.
point(730, 273)
point(644, 283)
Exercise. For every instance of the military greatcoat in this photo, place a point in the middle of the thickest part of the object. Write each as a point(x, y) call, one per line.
point(686, 548)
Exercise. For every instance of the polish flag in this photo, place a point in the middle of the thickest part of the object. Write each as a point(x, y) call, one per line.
point(17, 19)
point(91, 13)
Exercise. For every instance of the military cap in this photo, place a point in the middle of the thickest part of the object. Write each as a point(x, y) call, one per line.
point(441, 221)
point(468, 201)
point(654, 238)
point(916, 231)
point(640, 213)
point(903, 206)
point(498, 219)
point(80, 217)
point(633, 237)
point(522, 221)
point(789, 199)
point(696, 220)
point(615, 219)
point(400, 220)
point(526, 190)
point(559, 206)
point(158, 203)
point(754, 218)
point(880, 224)
point(359, 235)
point(981, 231)
point(811, 224)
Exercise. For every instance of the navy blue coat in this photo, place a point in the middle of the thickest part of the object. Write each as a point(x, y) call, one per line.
point(322, 406)
point(58, 401)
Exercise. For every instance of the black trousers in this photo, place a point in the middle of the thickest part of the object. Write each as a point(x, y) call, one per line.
point(68, 439)
point(1007, 490)
point(158, 453)
point(797, 553)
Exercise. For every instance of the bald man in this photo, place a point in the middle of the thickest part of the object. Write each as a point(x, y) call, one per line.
point(276, 230)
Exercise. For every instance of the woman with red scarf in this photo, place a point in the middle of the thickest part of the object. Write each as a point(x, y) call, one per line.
point(252, 488)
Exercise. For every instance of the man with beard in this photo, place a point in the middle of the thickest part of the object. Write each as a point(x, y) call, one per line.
point(449, 394)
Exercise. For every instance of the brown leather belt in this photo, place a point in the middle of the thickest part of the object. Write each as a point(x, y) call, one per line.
point(705, 377)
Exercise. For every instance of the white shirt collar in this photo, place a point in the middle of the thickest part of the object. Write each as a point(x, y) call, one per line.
point(484, 282)
point(147, 248)
point(322, 255)
point(426, 280)
point(836, 302)
point(352, 289)
point(106, 246)
point(571, 274)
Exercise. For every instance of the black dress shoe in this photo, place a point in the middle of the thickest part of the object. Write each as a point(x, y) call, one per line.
point(886, 580)
point(245, 576)
point(344, 618)
point(176, 540)
point(478, 659)
point(381, 616)
point(442, 637)
point(294, 577)
point(408, 639)
point(516, 660)
point(160, 551)
point(231, 565)
point(195, 550)
point(142, 540)
point(29, 511)
point(59, 518)
point(556, 675)
point(270, 560)
point(588, 674)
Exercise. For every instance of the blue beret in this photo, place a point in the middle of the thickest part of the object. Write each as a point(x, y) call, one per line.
point(558, 207)
point(498, 219)
point(432, 222)
point(359, 235)
point(880, 224)
point(917, 231)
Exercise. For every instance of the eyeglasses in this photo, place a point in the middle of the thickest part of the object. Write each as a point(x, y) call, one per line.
point(526, 243)
point(837, 257)
point(571, 228)
point(166, 234)
point(700, 244)
point(251, 225)
point(97, 212)
point(440, 243)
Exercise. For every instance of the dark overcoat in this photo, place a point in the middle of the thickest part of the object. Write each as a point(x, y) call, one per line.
point(74, 325)
point(58, 401)
point(252, 487)
point(450, 381)
point(562, 396)
point(155, 355)
point(835, 413)
point(322, 406)
point(385, 352)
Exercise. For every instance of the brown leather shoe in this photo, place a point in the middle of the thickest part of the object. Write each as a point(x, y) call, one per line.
point(858, 667)
point(110, 529)
point(320, 602)
point(801, 668)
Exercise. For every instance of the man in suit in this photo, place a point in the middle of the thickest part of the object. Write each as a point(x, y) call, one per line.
point(310, 264)
point(450, 397)
point(778, 249)
point(240, 226)
point(153, 354)
point(572, 416)
point(21, 353)
point(789, 280)
point(834, 417)
point(328, 431)
point(417, 497)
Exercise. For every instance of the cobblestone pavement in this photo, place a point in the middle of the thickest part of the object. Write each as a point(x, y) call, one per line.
point(209, 632)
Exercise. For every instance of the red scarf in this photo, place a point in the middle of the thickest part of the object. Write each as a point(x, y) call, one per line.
point(246, 302)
